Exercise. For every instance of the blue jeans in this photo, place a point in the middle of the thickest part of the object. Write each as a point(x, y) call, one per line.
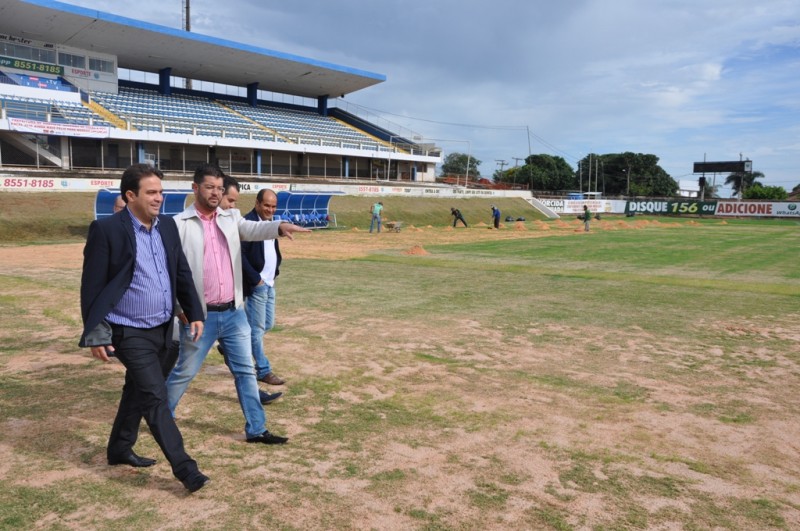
point(260, 310)
point(372, 223)
point(230, 328)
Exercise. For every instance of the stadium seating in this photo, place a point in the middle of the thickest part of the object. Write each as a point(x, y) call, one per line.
point(307, 127)
point(49, 110)
point(148, 110)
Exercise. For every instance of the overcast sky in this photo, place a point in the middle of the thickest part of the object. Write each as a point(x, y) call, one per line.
point(682, 79)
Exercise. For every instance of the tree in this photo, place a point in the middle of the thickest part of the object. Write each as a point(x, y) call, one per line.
point(759, 191)
point(626, 173)
point(542, 172)
point(743, 179)
point(456, 164)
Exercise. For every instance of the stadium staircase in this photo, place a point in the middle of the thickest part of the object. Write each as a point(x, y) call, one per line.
point(109, 116)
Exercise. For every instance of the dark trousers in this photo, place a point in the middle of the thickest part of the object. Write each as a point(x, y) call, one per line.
point(143, 352)
point(459, 218)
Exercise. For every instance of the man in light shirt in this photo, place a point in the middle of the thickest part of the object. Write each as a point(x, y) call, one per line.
point(211, 239)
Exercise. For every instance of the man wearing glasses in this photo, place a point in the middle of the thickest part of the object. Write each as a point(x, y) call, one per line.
point(211, 239)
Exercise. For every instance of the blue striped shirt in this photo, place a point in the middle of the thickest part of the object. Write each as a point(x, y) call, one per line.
point(147, 302)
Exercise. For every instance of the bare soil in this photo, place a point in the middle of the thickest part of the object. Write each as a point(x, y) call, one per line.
point(449, 466)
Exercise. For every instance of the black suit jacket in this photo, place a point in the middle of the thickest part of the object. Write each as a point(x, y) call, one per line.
point(108, 260)
point(253, 259)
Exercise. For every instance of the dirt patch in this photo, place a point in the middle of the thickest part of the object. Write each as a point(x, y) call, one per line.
point(418, 250)
point(510, 456)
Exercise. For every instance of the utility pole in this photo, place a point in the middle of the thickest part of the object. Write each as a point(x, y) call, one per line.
point(187, 25)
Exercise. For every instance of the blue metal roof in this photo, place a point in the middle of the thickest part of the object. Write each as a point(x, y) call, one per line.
point(149, 47)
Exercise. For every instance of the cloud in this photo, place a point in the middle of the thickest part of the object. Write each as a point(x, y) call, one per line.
point(676, 78)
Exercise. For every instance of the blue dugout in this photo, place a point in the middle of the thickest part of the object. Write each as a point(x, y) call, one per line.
point(307, 209)
point(174, 202)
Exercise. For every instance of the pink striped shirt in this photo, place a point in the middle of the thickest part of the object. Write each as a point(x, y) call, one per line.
point(218, 285)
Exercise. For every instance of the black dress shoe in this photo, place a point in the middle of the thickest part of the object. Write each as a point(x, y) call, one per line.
point(267, 398)
point(133, 460)
point(195, 482)
point(268, 438)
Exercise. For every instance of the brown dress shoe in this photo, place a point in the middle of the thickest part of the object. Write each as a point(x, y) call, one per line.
point(272, 379)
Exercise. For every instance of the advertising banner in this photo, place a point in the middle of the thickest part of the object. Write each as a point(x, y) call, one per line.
point(31, 66)
point(674, 207)
point(758, 208)
point(49, 128)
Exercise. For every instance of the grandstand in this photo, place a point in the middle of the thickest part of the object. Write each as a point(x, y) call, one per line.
point(65, 104)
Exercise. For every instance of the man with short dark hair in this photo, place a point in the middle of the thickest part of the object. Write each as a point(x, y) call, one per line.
point(231, 194)
point(134, 275)
point(263, 371)
point(211, 238)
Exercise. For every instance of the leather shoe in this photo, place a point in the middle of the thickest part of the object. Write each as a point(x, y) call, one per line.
point(268, 438)
point(133, 460)
point(272, 379)
point(267, 398)
point(195, 482)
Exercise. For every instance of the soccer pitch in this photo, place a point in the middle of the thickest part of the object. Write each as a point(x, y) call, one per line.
point(644, 375)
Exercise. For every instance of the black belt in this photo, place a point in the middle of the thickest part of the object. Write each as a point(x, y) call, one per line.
point(224, 307)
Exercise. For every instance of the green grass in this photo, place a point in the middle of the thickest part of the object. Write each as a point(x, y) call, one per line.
point(55, 217)
point(648, 374)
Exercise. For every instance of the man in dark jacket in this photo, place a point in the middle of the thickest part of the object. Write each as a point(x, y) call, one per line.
point(134, 275)
point(261, 263)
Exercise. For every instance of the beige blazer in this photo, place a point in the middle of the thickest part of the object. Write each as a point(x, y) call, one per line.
point(235, 228)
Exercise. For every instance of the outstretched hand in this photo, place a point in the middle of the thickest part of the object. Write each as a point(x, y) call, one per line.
point(288, 229)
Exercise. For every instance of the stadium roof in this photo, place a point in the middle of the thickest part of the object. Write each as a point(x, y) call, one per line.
point(149, 48)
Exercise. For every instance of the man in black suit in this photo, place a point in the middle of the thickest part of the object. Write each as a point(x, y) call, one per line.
point(134, 273)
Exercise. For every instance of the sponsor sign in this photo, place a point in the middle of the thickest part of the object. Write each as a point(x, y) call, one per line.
point(31, 66)
point(732, 166)
point(671, 207)
point(758, 208)
point(50, 128)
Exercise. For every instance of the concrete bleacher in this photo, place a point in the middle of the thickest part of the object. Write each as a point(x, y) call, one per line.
point(147, 110)
point(306, 125)
point(49, 110)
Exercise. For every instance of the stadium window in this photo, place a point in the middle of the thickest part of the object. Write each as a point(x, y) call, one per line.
point(68, 59)
point(101, 65)
point(18, 51)
point(44, 56)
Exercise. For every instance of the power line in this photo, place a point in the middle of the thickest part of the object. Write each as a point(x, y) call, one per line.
point(480, 126)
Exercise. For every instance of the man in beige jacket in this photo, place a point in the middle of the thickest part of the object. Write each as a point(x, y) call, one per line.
point(211, 239)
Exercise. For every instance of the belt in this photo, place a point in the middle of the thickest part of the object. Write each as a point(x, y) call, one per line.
point(224, 307)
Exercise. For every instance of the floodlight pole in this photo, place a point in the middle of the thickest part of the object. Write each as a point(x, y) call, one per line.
point(187, 25)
